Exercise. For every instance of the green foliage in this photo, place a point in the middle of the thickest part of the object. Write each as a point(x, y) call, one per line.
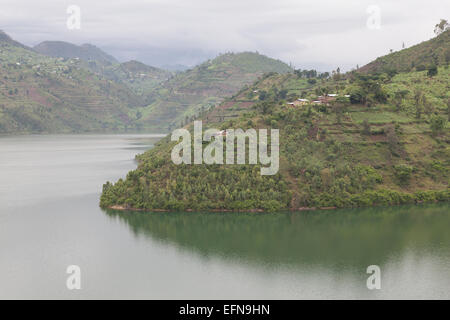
point(327, 173)
point(365, 128)
point(432, 70)
point(357, 95)
point(159, 184)
point(399, 97)
point(46, 95)
point(437, 124)
point(325, 161)
point(403, 173)
point(367, 90)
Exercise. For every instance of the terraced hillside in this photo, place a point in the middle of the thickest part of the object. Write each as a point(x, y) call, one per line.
point(189, 93)
point(139, 77)
point(359, 139)
point(62, 87)
point(42, 94)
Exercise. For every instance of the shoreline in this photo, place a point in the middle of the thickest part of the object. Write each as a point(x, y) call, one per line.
point(123, 208)
point(81, 134)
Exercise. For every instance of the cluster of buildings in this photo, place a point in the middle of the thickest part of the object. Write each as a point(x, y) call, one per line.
point(326, 100)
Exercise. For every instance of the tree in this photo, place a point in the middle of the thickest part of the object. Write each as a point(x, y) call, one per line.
point(399, 97)
point(427, 106)
point(403, 173)
point(337, 74)
point(418, 98)
point(357, 95)
point(326, 177)
point(392, 139)
point(282, 94)
point(262, 95)
point(441, 27)
point(338, 108)
point(432, 70)
point(264, 107)
point(437, 124)
point(365, 127)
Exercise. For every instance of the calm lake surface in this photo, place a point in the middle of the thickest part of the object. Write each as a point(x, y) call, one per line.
point(50, 219)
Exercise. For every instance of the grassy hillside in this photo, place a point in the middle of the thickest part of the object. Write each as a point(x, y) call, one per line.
point(42, 94)
point(191, 92)
point(416, 58)
point(384, 140)
point(139, 77)
point(61, 87)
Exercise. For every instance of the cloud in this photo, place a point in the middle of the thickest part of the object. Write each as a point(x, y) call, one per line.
point(326, 33)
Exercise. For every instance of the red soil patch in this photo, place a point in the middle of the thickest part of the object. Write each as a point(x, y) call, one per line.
point(377, 137)
point(227, 105)
point(35, 96)
point(246, 105)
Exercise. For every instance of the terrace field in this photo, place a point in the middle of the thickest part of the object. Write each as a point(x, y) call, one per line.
point(382, 140)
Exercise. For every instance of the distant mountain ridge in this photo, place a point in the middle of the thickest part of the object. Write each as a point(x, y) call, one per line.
point(139, 77)
point(61, 49)
point(189, 93)
point(6, 39)
point(88, 90)
point(175, 67)
point(41, 94)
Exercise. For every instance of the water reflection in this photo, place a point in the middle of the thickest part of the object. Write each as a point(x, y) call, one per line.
point(333, 239)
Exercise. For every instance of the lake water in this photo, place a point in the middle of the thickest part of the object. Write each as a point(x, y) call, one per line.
point(50, 219)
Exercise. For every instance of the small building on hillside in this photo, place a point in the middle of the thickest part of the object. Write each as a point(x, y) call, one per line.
point(298, 102)
point(326, 99)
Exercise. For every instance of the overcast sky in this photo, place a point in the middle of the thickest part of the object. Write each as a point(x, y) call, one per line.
point(323, 34)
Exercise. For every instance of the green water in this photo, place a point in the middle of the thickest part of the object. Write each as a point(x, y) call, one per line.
point(333, 239)
point(50, 219)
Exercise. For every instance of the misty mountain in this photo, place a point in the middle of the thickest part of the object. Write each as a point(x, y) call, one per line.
point(86, 52)
point(41, 94)
point(6, 39)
